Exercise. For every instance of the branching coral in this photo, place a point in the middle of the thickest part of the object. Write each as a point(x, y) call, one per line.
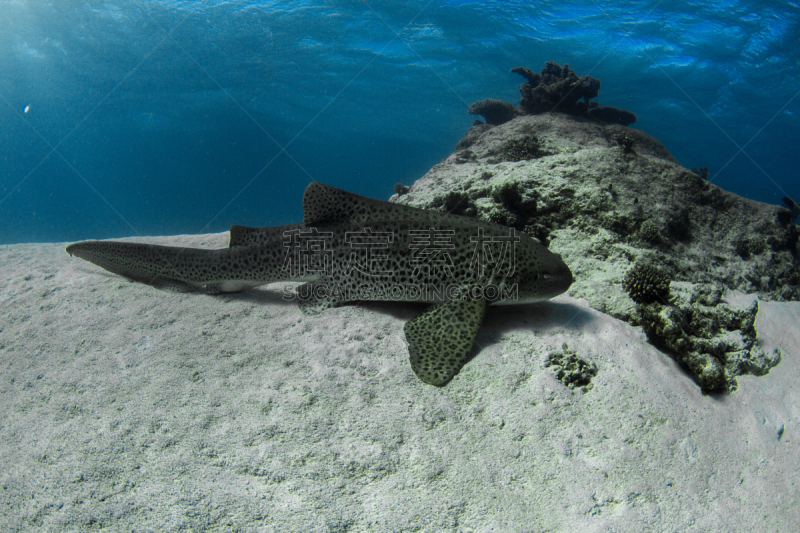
point(646, 284)
point(560, 89)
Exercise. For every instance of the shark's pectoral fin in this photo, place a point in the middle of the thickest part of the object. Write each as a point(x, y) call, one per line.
point(169, 285)
point(440, 339)
point(225, 287)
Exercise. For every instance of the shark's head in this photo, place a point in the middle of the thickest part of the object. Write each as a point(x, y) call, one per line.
point(538, 274)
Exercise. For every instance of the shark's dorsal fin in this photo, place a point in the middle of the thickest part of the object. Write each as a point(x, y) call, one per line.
point(323, 203)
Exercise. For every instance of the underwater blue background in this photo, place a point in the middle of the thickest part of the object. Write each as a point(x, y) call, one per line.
point(158, 118)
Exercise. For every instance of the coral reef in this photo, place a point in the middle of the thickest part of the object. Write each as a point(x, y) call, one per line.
point(648, 232)
point(495, 112)
point(752, 245)
point(702, 172)
point(571, 370)
point(604, 210)
point(793, 208)
point(560, 89)
point(714, 341)
point(646, 284)
point(626, 142)
point(556, 89)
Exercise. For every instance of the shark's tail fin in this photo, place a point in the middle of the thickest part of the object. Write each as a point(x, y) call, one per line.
point(163, 267)
point(182, 269)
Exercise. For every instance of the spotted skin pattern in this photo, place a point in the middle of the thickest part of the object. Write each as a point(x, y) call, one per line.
point(440, 339)
point(373, 250)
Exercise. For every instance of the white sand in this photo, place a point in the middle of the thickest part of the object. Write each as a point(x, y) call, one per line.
point(124, 408)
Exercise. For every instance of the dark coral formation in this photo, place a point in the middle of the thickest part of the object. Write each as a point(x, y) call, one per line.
point(572, 370)
point(511, 196)
point(557, 89)
point(455, 202)
point(679, 226)
point(495, 112)
point(523, 149)
point(702, 172)
point(712, 340)
point(793, 208)
point(465, 156)
point(626, 142)
point(399, 188)
point(508, 194)
point(648, 232)
point(646, 284)
point(560, 89)
point(516, 208)
point(752, 245)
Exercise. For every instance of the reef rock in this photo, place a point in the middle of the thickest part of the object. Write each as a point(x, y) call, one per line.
point(603, 205)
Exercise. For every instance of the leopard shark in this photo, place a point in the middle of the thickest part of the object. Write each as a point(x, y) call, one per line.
point(351, 248)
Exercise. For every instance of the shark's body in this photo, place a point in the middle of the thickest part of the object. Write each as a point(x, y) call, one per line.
point(351, 248)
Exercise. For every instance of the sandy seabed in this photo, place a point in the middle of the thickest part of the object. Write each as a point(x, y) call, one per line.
point(123, 408)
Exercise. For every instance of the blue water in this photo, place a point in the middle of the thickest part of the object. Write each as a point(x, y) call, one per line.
point(158, 118)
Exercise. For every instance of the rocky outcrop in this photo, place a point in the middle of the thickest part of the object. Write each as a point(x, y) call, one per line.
point(604, 196)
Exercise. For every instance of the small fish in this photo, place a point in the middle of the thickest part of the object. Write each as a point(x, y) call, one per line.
point(353, 248)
